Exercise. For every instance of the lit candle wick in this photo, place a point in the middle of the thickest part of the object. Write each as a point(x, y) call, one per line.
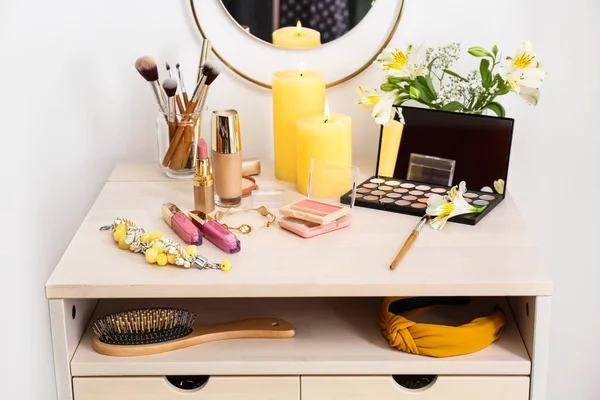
point(326, 112)
point(298, 28)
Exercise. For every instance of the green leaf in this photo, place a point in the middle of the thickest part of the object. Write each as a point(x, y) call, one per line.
point(496, 108)
point(495, 50)
point(486, 74)
point(414, 92)
point(426, 95)
point(430, 85)
point(454, 74)
point(480, 52)
point(398, 79)
point(388, 87)
point(453, 106)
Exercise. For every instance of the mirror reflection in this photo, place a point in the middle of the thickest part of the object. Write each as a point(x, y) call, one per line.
point(297, 23)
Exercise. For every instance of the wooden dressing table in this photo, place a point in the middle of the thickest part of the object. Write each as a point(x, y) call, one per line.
point(330, 288)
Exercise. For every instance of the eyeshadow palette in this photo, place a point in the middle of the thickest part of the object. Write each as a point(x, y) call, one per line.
point(410, 197)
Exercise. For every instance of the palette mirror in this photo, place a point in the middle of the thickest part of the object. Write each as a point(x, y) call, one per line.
point(297, 23)
point(340, 38)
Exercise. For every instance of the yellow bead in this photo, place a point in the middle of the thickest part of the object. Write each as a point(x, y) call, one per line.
point(119, 235)
point(192, 250)
point(155, 235)
point(146, 237)
point(171, 259)
point(225, 265)
point(151, 255)
point(120, 227)
point(123, 245)
point(161, 259)
point(158, 246)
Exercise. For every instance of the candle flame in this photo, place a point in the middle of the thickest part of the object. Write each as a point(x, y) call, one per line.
point(326, 113)
point(298, 28)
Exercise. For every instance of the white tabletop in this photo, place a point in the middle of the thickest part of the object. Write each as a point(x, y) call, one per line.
point(494, 258)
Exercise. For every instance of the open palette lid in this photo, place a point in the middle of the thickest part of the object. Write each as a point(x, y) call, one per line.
point(445, 148)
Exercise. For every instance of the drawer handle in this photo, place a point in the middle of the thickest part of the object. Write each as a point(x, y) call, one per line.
point(188, 382)
point(415, 382)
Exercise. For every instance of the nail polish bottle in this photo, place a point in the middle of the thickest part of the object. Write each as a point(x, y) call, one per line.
point(215, 232)
point(180, 223)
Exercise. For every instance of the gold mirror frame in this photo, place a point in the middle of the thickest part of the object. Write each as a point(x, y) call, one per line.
point(332, 84)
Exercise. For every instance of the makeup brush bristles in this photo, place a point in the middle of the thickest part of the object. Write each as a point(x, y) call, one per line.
point(170, 86)
point(146, 66)
point(211, 72)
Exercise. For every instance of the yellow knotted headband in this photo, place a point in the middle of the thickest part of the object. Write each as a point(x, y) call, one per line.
point(436, 340)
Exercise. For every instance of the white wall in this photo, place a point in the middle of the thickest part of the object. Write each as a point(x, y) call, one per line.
point(72, 104)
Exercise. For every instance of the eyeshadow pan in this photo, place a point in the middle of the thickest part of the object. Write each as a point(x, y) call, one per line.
point(428, 195)
point(359, 195)
point(471, 195)
point(394, 195)
point(411, 198)
point(481, 202)
point(468, 200)
point(401, 190)
point(487, 197)
point(377, 180)
point(407, 185)
point(438, 190)
point(418, 205)
point(363, 190)
point(378, 193)
point(386, 200)
point(370, 185)
point(393, 183)
point(423, 200)
point(386, 188)
point(415, 192)
point(423, 187)
point(402, 202)
point(371, 198)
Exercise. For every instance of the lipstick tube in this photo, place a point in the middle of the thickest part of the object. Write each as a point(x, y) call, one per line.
point(184, 228)
point(204, 191)
point(215, 232)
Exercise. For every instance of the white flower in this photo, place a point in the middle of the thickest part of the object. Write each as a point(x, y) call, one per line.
point(410, 64)
point(380, 104)
point(523, 71)
point(444, 208)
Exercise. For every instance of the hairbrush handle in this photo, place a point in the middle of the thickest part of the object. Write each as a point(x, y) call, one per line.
point(269, 328)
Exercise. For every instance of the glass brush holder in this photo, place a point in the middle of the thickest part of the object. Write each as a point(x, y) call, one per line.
point(177, 136)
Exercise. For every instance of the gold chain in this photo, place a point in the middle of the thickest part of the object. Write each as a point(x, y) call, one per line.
point(245, 228)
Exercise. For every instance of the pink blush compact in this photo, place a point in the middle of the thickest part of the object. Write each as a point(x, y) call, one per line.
point(314, 211)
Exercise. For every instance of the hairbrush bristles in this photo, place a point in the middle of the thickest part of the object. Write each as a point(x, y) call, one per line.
point(144, 326)
point(211, 72)
point(146, 66)
point(170, 86)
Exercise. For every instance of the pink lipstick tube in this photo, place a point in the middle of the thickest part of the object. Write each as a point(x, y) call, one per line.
point(215, 232)
point(184, 228)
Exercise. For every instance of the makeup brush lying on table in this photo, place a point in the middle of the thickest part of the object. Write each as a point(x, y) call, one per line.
point(180, 105)
point(149, 71)
point(409, 242)
point(170, 87)
point(181, 145)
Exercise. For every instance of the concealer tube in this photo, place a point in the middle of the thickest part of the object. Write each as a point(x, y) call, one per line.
point(227, 158)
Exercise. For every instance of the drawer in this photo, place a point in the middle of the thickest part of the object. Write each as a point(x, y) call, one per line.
point(215, 388)
point(441, 388)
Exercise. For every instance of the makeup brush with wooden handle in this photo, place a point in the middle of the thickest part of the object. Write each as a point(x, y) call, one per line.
point(179, 102)
point(148, 69)
point(179, 150)
point(409, 242)
point(159, 330)
point(206, 48)
point(182, 85)
point(170, 87)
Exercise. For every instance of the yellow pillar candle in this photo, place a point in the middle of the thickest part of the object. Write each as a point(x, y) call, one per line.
point(295, 94)
point(390, 145)
point(296, 37)
point(327, 138)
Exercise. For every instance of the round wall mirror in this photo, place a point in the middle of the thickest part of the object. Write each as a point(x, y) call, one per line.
point(255, 38)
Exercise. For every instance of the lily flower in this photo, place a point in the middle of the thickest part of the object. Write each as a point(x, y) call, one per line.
point(523, 73)
point(380, 104)
point(444, 208)
point(409, 64)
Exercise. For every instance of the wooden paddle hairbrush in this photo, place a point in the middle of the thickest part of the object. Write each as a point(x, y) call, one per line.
point(157, 330)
